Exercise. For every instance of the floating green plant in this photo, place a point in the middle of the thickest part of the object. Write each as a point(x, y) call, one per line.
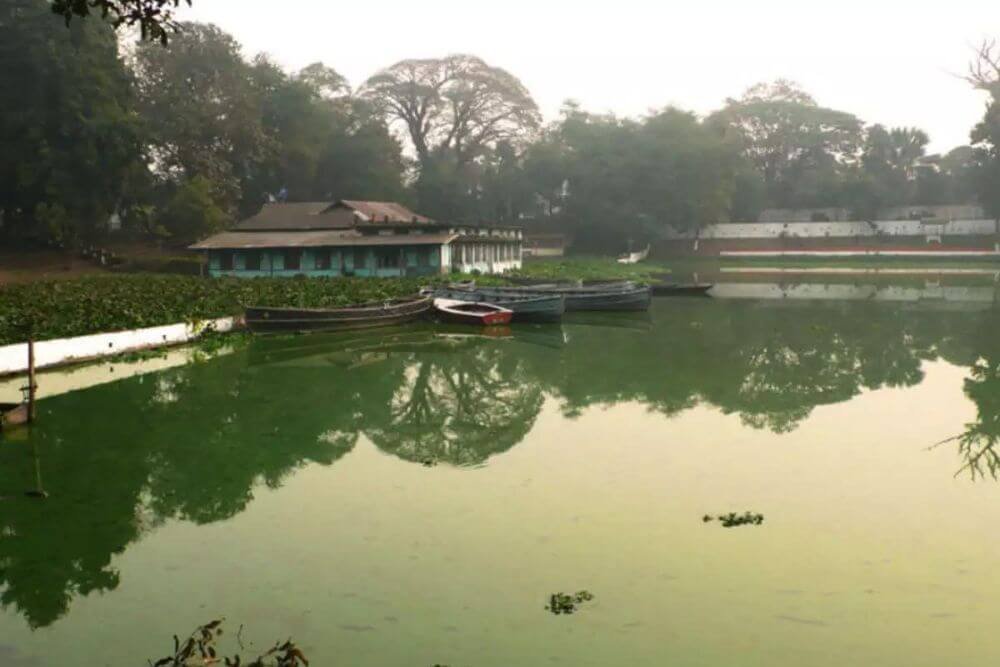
point(561, 603)
point(732, 520)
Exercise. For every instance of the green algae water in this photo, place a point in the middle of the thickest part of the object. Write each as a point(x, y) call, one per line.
point(413, 497)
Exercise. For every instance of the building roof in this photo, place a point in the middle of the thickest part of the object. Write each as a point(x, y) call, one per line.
point(300, 216)
point(342, 214)
point(381, 211)
point(250, 240)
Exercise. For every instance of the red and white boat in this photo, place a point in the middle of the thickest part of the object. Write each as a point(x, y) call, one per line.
point(472, 312)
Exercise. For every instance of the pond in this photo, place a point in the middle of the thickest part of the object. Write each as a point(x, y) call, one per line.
point(416, 497)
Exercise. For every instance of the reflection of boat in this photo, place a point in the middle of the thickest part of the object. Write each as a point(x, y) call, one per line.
point(526, 307)
point(472, 312)
point(355, 350)
point(366, 315)
point(634, 257)
point(636, 321)
point(681, 289)
point(625, 297)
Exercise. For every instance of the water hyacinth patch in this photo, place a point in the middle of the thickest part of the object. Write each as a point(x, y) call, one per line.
point(733, 520)
point(60, 309)
point(561, 603)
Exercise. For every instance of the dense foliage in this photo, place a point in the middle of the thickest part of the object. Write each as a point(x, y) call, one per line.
point(56, 309)
point(67, 132)
point(182, 139)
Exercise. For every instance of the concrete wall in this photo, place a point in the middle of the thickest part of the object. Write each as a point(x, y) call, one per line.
point(835, 230)
point(948, 212)
point(14, 358)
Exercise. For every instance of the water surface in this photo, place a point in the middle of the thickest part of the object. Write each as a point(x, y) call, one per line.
point(412, 497)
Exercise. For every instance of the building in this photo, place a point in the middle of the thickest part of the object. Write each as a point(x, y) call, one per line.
point(357, 238)
point(540, 244)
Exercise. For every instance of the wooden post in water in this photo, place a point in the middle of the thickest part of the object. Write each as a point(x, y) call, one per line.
point(31, 380)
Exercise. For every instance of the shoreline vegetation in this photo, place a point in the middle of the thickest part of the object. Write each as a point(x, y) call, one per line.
point(56, 308)
point(52, 309)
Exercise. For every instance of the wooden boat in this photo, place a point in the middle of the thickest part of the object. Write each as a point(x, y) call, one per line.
point(14, 414)
point(626, 298)
point(526, 307)
point(360, 316)
point(634, 257)
point(18, 414)
point(472, 312)
point(681, 289)
point(635, 299)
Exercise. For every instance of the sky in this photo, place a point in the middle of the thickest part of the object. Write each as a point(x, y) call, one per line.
point(886, 61)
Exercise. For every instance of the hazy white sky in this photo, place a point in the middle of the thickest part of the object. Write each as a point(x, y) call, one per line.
point(888, 61)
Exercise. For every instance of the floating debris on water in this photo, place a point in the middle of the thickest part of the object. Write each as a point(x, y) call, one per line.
point(200, 649)
point(561, 603)
point(733, 520)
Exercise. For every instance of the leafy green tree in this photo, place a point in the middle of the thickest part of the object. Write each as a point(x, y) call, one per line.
point(328, 144)
point(800, 149)
point(202, 111)
point(154, 17)
point(192, 212)
point(618, 180)
point(984, 73)
point(948, 178)
point(986, 137)
point(67, 129)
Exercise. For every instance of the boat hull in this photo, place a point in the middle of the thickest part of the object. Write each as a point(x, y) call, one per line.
point(681, 289)
point(13, 414)
point(526, 308)
point(476, 313)
point(585, 298)
point(365, 316)
point(626, 300)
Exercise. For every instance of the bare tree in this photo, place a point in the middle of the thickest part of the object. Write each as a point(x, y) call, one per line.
point(984, 70)
point(457, 104)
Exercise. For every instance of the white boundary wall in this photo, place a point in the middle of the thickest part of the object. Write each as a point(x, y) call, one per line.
point(14, 358)
point(774, 230)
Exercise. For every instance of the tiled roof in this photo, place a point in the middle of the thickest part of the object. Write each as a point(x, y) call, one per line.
point(239, 240)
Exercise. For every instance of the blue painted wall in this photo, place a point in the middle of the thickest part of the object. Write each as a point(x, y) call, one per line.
point(357, 261)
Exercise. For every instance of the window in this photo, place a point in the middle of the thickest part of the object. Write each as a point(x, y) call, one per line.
point(293, 260)
point(226, 261)
point(424, 257)
point(387, 259)
point(322, 257)
point(252, 261)
point(360, 257)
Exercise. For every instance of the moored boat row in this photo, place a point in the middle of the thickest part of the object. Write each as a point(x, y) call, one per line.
point(469, 303)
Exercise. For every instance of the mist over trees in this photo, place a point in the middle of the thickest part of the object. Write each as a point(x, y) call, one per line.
point(183, 139)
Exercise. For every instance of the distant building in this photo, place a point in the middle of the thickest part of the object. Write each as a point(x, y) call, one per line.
point(357, 238)
point(545, 245)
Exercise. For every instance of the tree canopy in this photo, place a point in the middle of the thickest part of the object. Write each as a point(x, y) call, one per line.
point(90, 132)
point(154, 17)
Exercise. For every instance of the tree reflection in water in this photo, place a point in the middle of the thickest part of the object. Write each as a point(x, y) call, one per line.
point(458, 408)
point(196, 443)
